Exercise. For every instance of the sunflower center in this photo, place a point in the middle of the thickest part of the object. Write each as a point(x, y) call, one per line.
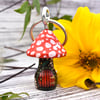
point(88, 60)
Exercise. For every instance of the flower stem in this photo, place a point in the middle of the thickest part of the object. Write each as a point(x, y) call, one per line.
point(21, 52)
point(14, 67)
point(98, 83)
point(17, 73)
point(14, 49)
point(11, 6)
point(13, 55)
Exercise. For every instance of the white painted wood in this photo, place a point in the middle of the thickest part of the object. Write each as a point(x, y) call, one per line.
point(11, 27)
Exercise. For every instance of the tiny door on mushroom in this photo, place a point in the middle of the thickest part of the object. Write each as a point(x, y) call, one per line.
point(45, 77)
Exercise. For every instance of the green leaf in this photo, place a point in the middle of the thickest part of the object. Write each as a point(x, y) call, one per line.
point(53, 2)
point(7, 60)
point(0, 98)
point(55, 18)
point(36, 4)
point(67, 17)
point(50, 26)
point(14, 96)
point(4, 98)
point(23, 8)
point(11, 95)
point(7, 93)
point(27, 20)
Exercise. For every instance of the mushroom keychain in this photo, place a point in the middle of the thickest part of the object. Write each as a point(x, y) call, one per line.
point(46, 47)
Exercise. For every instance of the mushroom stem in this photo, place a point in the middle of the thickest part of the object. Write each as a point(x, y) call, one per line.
point(46, 78)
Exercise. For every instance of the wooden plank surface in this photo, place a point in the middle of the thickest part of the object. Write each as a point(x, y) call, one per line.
point(11, 27)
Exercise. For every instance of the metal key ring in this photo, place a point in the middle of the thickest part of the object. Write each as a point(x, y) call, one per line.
point(46, 19)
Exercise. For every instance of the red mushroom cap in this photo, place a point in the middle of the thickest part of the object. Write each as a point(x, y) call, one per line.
point(46, 45)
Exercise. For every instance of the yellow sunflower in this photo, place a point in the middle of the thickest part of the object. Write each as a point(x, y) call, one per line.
point(81, 66)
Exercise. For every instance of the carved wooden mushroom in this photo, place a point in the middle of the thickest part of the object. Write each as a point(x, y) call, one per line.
point(46, 46)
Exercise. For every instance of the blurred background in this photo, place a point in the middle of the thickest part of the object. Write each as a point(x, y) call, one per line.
point(12, 23)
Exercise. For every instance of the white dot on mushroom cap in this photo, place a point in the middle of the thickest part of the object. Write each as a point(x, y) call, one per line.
point(63, 54)
point(58, 46)
point(32, 46)
point(42, 40)
point(38, 55)
point(63, 50)
point(47, 45)
point(52, 41)
point(28, 52)
point(42, 35)
point(58, 55)
point(45, 30)
point(38, 42)
point(55, 47)
point(52, 54)
point(33, 52)
point(59, 51)
point(44, 51)
point(44, 56)
point(39, 48)
point(49, 32)
point(49, 36)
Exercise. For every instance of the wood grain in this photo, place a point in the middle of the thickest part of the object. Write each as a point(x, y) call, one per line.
point(11, 27)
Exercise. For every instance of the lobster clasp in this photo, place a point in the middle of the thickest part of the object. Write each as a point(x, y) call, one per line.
point(45, 16)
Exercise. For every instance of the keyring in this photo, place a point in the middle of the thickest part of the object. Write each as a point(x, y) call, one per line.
point(46, 20)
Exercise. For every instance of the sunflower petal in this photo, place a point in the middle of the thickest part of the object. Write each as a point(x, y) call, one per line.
point(96, 76)
point(82, 81)
point(59, 33)
point(97, 34)
point(66, 24)
point(83, 28)
point(96, 50)
point(67, 74)
point(75, 27)
point(71, 49)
